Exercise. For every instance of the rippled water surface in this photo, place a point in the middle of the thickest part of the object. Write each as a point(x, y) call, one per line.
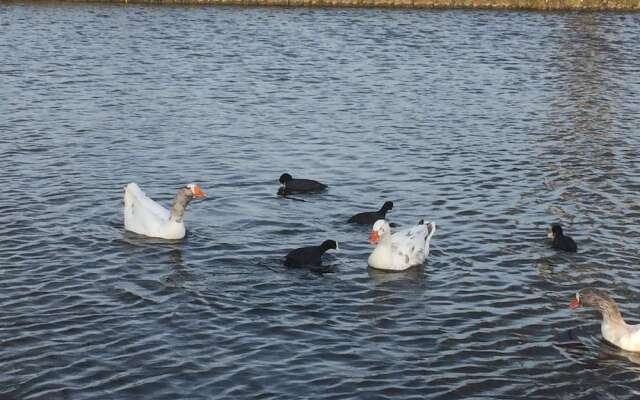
point(492, 124)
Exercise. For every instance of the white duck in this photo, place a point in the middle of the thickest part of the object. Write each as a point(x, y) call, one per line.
point(146, 217)
point(614, 329)
point(401, 250)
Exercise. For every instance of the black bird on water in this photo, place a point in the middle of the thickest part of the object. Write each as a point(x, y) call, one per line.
point(560, 241)
point(370, 217)
point(310, 256)
point(291, 185)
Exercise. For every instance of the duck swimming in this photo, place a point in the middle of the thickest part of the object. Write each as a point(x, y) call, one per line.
point(291, 185)
point(401, 250)
point(560, 241)
point(310, 256)
point(370, 217)
point(146, 217)
point(614, 329)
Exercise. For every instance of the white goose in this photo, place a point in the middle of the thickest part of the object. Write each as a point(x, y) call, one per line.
point(614, 329)
point(401, 250)
point(146, 217)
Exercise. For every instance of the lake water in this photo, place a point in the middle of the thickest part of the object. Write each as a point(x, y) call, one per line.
point(492, 124)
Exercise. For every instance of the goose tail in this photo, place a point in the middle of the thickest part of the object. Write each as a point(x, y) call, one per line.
point(431, 229)
point(131, 191)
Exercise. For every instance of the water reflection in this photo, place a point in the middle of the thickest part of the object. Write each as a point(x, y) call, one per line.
point(610, 354)
point(179, 273)
point(414, 276)
point(581, 141)
point(175, 256)
point(140, 241)
point(587, 94)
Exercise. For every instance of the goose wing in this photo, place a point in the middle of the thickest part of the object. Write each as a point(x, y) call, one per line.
point(142, 214)
point(411, 246)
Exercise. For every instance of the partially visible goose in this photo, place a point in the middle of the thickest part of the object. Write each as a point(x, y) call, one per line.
point(370, 217)
point(614, 329)
point(146, 217)
point(560, 241)
point(310, 256)
point(403, 249)
point(291, 185)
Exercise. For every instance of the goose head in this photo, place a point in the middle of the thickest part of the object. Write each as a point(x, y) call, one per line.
point(598, 299)
point(183, 198)
point(380, 228)
point(196, 191)
point(590, 297)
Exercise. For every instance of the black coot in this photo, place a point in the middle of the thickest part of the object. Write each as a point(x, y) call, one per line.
point(560, 241)
point(310, 256)
point(290, 185)
point(370, 217)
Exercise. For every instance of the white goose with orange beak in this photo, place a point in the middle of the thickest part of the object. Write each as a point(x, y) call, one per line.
point(614, 328)
point(146, 217)
point(401, 250)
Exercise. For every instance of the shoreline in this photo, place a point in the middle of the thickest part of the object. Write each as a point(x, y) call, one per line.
point(522, 5)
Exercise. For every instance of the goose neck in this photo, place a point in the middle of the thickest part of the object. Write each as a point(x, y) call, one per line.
point(180, 204)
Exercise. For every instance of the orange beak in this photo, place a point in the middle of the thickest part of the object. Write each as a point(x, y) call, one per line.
point(575, 303)
point(198, 193)
point(375, 237)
